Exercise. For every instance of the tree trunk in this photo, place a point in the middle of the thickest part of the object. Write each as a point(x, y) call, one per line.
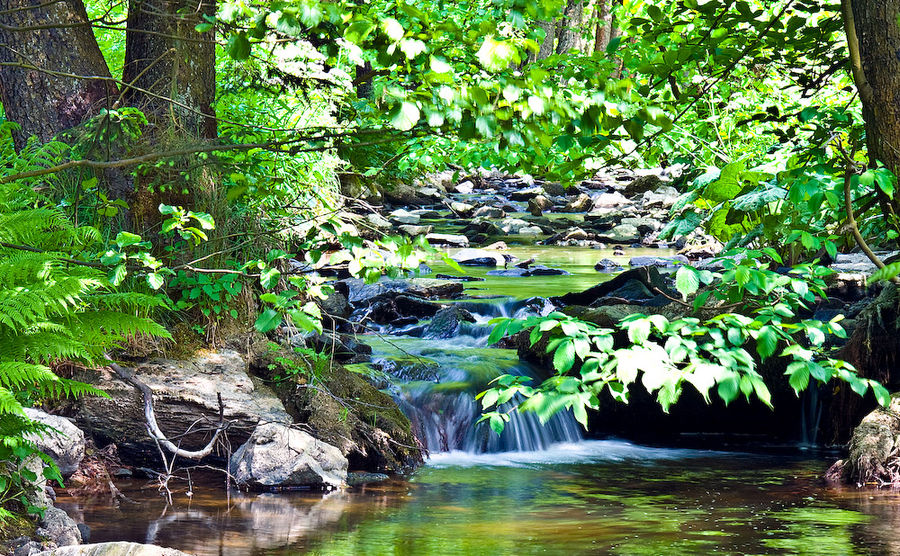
point(570, 27)
point(603, 31)
point(546, 50)
point(34, 94)
point(877, 75)
point(167, 60)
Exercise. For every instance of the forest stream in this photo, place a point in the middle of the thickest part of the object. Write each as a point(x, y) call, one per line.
point(535, 489)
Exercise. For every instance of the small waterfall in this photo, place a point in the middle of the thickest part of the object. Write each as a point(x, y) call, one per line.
point(437, 380)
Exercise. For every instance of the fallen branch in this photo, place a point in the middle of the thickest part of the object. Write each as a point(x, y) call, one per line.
point(153, 427)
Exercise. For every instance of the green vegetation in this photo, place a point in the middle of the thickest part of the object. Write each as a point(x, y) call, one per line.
point(189, 178)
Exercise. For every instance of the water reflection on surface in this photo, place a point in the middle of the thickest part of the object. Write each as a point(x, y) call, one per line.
point(603, 497)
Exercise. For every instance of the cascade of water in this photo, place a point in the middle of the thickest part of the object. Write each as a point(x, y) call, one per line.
point(442, 407)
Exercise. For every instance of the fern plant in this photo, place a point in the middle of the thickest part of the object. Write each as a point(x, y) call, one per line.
point(56, 304)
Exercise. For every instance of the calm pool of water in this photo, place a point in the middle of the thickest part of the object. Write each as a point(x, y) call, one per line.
point(587, 498)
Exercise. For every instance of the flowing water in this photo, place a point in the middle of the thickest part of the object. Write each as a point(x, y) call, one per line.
point(533, 490)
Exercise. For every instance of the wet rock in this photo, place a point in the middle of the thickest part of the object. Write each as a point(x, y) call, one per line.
point(426, 213)
point(57, 526)
point(623, 234)
point(663, 197)
point(483, 227)
point(479, 257)
point(857, 263)
point(582, 203)
point(411, 230)
point(609, 200)
point(447, 322)
point(64, 443)
point(358, 478)
point(465, 187)
point(459, 278)
point(643, 224)
point(662, 262)
point(335, 305)
point(447, 239)
point(576, 234)
point(464, 210)
point(342, 347)
point(359, 291)
point(632, 290)
point(530, 231)
point(648, 276)
point(184, 391)
point(378, 221)
point(409, 368)
point(607, 265)
point(489, 212)
point(113, 549)
point(526, 194)
point(277, 456)
point(513, 226)
point(537, 270)
point(430, 193)
point(401, 216)
point(642, 184)
point(554, 188)
point(537, 205)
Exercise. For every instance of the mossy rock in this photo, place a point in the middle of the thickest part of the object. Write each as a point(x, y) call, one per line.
point(342, 408)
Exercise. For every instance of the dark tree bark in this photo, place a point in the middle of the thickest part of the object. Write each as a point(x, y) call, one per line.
point(37, 45)
point(167, 59)
point(547, 46)
point(877, 74)
point(570, 27)
point(603, 31)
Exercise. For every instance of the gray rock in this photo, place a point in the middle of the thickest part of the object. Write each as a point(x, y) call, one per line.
point(554, 188)
point(530, 231)
point(378, 221)
point(642, 184)
point(65, 444)
point(575, 234)
point(582, 203)
point(623, 233)
point(663, 197)
point(464, 210)
point(661, 262)
point(643, 224)
point(412, 230)
point(447, 322)
point(426, 213)
point(537, 205)
point(280, 456)
point(57, 526)
point(360, 478)
point(447, 239)
point(513, 226)
point(609, 200)
point(479, 257)
point(465, 187)
point(184, 390)
point(401, 216)
point(526, 194)
point(113, 549)
point(489, 212)
point(359, 291)
point(607, 265)
point(430, 193)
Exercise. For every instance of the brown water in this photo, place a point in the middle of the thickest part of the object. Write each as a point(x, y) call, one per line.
point(588, 498)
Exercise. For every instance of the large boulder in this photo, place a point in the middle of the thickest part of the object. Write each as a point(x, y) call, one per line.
point(447, 322)
point(360, 292)
point(526, 194)
point(279, 456)
point(113, 549)
point(401, 216)
point(537, 205)
point(64, 442)
point(581, 203)
point(649, 276)
point(183, 391)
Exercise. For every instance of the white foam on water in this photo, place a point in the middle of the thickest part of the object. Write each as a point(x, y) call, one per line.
point(587, 451)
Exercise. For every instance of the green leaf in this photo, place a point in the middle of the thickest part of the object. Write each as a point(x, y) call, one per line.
point(206, 221)
point(564, 357)
point(886, 273)
point(766, 341)
point(687, 282)
point(405, 116)
point(267, 321)
point(498, 332)
point(126, 239)
point(269, 278)
point(155, 281)
point(881, 393)
point(238, 47)
point(117, 275)
point(489, 399)
point(799, 375)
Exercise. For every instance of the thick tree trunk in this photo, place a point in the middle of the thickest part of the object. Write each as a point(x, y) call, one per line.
point(570, 27)
point(877, 75)
point(37, 45)
point(167, 60)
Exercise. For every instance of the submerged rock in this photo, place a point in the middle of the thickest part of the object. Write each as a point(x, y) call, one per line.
point(479, 257)
point(278, 456)
point(113, 549)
